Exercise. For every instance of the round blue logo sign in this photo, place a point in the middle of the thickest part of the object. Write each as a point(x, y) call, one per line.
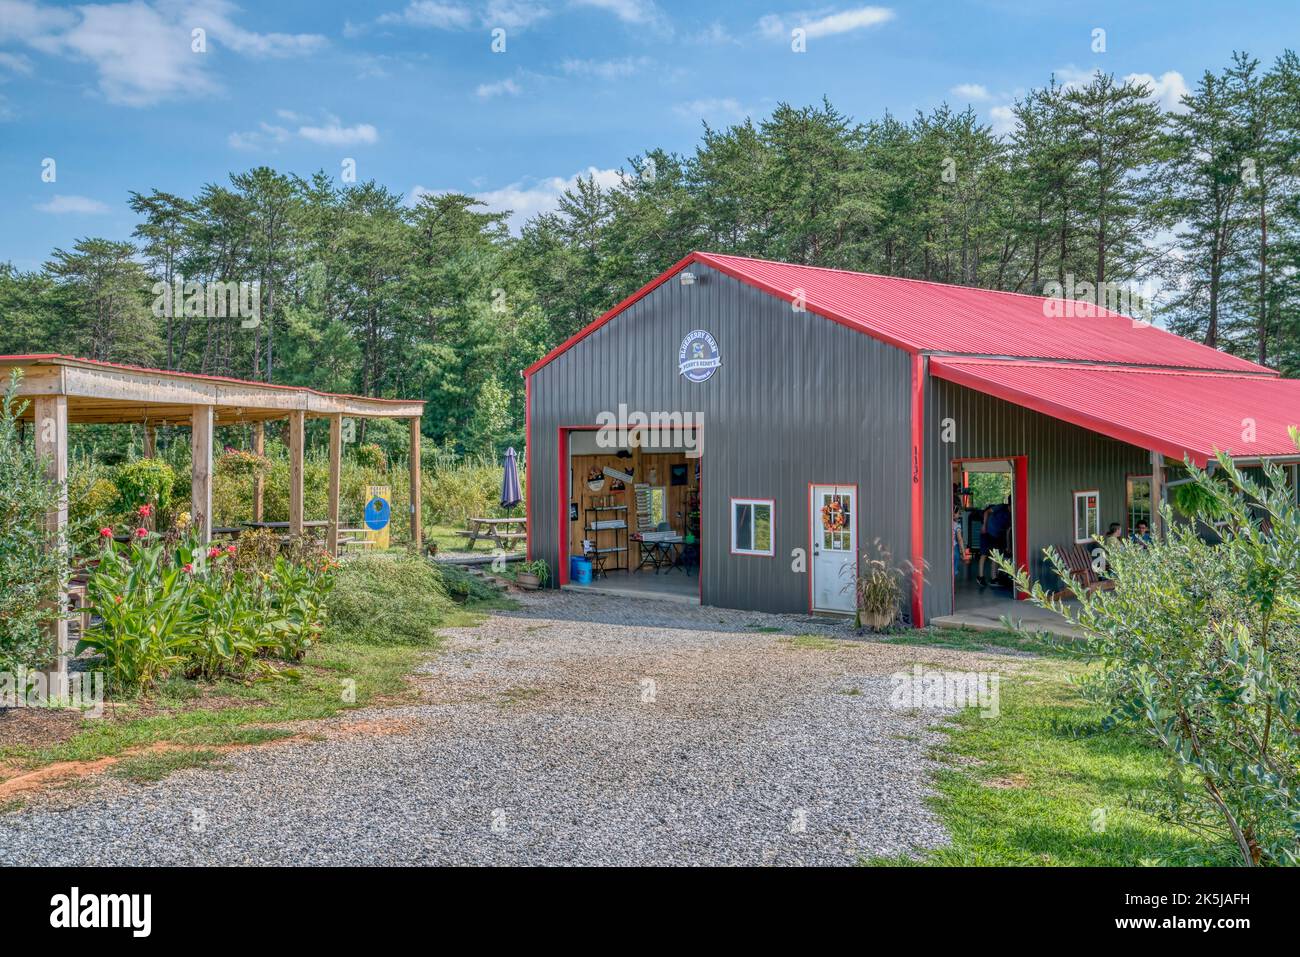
point(699, 356)
point(377, 513)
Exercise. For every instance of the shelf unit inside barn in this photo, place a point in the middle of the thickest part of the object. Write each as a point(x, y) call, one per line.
point(608, 520)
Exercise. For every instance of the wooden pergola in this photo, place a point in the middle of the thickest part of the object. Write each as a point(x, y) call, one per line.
point(63, 390)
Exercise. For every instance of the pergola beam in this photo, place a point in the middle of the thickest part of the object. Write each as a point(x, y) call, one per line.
point(51, 421)
point(417, 521)
point(297, 451)
point(336, 482)
point(201, 472)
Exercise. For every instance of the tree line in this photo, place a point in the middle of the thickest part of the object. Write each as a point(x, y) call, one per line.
point(359, 290)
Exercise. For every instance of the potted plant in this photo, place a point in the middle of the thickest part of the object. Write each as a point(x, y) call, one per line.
point(879, 595)
point(532, 575)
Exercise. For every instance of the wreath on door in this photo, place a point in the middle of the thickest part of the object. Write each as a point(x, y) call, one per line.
point(833, 518)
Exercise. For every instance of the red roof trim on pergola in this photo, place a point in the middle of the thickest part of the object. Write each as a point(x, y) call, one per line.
point(56, 359)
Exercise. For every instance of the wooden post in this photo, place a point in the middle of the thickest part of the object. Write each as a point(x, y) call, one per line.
point(336, 480)
point(201, 471)
point(1157, 494)
point(150, 440)
point(297, 450)
point(417, 522)
point(51, 425)
point(259, 448)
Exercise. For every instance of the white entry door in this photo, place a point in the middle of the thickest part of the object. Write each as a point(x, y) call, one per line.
point(834, 521)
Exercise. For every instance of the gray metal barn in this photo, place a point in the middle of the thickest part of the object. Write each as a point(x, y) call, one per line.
point(758, 428)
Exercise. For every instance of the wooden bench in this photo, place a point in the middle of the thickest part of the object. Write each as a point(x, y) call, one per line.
point(1078, 559)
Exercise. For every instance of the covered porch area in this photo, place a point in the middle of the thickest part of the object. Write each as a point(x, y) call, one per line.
point(61, 391)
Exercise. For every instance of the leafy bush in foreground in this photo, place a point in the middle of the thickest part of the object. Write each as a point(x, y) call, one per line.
point(387, 599)
point(1199, 647)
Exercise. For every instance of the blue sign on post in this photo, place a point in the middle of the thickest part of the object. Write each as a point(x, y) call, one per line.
point(377, 513)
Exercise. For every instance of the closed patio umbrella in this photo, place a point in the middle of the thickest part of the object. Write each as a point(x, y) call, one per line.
point(510, 495)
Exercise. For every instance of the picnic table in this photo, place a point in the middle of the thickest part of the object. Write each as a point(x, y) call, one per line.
point(499, 531)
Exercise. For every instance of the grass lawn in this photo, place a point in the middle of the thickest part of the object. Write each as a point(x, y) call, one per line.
point(1042, 783)
point(201, 715)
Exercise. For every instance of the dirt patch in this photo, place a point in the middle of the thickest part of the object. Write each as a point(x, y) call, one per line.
point(62, 773)
point(1010, 782)
point(37, 727)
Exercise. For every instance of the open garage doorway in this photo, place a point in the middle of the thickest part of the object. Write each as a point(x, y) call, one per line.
point(989, 517)
point(632, 519)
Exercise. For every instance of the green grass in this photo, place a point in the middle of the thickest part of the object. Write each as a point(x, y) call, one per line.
point(968, 639)
point(1025, 788)
point(146, 768)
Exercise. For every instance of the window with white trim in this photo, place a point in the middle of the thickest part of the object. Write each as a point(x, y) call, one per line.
point(1087, 516)
point(753, 526)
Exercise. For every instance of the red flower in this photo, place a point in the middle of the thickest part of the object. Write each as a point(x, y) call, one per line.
point(214, 552)
point(230, 549)
point(105, 533)
point(142, 533)
point(189, 568)
point(118, 599)
point(145, 510)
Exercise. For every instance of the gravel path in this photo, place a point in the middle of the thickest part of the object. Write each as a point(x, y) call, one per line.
point(580, 729)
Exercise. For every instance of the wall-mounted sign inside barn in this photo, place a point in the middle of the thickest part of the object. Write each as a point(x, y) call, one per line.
point(699, 356)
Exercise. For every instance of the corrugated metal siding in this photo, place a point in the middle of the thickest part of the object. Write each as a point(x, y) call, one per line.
point(798, 400)
point(1063, 459)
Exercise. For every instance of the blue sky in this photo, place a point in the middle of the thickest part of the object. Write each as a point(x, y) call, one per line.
point(413, 92)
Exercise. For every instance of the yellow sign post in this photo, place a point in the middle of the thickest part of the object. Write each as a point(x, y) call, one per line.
point(378, 515)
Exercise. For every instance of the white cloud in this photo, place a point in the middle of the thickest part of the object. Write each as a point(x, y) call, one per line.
point(1168, 91)
point(433, 14)
point(142, 50)
point(16, 62)
point(974, 92)
point(527, 198)
point(637, 12)
point(446, 15)
point(1004, 119)
point(335, 134)
point(514, 14)
point(82, 205)
point(329, 132)
point(606, 69)
point(712, 110)
point(820, 24)
point(499, 88)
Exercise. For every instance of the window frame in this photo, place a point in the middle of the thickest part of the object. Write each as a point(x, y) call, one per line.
point(1074, 517)
point(754, 502)
point(1130, 527)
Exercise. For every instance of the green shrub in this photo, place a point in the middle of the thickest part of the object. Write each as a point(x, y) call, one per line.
point(370, 456)
point(464, 588)
point(144, 482)
point(168, 606)
point(1199, 646)
point(387, 599)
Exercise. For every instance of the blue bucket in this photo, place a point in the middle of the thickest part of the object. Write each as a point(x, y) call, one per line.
point(579, 570)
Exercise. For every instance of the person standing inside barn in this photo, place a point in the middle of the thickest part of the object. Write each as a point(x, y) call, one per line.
point(994, 535)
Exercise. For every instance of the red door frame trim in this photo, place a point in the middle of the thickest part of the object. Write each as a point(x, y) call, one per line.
point(857, 542)
point(562, 444)
point(919, 372)
point(1020, 506)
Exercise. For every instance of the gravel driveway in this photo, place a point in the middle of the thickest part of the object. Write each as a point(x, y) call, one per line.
point(580, 729)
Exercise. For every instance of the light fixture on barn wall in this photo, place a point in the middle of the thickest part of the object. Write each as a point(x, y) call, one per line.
point(688, 278)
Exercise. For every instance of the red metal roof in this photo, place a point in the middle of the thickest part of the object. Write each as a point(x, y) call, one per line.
point(932, 317)
point(1171, 411)
point(935, 317)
